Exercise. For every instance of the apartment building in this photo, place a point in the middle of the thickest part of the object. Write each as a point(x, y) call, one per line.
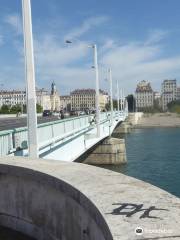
point(82, 99)
point(144, 95)
point(12, 97)
point(169, 92)
point(48, 101)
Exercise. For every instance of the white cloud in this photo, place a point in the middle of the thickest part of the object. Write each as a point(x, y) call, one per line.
point(134, 62)
point(15, 21)
point(155, 36)
point(130, 63)
point(86, 26)
point(70, 65)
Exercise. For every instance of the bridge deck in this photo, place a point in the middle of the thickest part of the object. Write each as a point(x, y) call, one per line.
point(63, 139)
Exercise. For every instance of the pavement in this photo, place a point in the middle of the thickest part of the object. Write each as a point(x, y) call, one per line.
point(16, 122)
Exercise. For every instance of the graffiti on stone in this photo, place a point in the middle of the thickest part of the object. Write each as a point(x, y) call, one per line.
point(129, 209)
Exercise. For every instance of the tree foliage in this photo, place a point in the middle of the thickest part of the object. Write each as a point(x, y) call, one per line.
point(174, 106)
point(7, 109)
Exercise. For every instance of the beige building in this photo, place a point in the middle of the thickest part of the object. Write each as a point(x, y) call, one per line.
point(144, 96)
point(43, 99)
point(83, 99)
point(169, 92)
point(65, 102)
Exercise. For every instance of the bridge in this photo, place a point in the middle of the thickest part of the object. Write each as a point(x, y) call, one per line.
point(65, 139)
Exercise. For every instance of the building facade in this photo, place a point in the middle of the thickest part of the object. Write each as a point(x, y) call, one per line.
point(144, 96)
point(12, 98)
point(83, 99)
point(65, 102)
point(43, 98)
point(178, 93)
point(169, 92)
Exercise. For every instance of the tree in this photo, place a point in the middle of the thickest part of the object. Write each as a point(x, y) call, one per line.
point(174, 106)
point(131, 103)
point(39, 108)
point(15, 109)
point(5, 109)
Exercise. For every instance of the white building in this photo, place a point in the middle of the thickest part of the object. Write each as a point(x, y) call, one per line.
point(12, 98)
point(43, 98)
point(144, 96)
point(169, 92)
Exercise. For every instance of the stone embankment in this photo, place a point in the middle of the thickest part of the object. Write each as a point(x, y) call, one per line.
point(54, 200)
point(159, 120)
point(126, 126)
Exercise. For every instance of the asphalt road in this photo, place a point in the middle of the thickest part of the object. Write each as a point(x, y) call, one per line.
point(15, 122)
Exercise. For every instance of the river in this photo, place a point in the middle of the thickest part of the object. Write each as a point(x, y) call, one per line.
point(153, 156)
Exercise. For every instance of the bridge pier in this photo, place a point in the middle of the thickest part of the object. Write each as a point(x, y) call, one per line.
point(110, 151)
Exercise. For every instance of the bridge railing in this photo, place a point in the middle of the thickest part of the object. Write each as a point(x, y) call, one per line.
point(51, 132)
point(6, 144)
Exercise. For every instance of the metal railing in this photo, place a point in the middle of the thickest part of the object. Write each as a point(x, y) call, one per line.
point(48, 133)
point(6, 143)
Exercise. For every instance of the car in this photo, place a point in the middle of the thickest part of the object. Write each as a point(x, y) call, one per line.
point(47, 113)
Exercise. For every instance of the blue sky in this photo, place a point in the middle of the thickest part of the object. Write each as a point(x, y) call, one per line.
point(138, 39)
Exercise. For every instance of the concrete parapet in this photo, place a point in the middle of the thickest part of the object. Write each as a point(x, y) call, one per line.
point(110, 151)
point(54, 200)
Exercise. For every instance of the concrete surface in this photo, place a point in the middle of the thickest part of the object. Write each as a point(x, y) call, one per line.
point(72, 201)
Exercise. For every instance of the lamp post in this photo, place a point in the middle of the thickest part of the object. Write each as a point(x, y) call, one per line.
point(121, 98)
point(94, 47)
point(30, 79)
point(97, 90)
point(111, 97)
point(117, 96)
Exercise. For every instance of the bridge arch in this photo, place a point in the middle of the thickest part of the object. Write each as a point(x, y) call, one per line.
point(43, 206)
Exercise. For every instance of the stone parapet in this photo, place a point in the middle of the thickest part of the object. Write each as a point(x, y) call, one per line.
point(54, 200)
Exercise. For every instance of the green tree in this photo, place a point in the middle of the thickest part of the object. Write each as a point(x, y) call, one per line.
point(174, 106)
point(39, 108)
point(15, 109)
point(5, 109)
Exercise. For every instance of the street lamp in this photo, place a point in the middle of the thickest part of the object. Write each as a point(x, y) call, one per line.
point(94, 46)
point(111, 97)
point(30, 79)
point(121, 98)
point(117, 95)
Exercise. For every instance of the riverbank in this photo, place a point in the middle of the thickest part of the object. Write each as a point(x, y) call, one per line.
point(159, 120)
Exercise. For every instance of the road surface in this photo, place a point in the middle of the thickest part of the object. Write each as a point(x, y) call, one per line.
point(11, 123)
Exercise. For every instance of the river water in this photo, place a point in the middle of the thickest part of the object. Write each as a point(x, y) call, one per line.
point(154, 156)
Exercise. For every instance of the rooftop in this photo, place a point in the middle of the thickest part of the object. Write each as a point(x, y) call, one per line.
point(87, 91)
